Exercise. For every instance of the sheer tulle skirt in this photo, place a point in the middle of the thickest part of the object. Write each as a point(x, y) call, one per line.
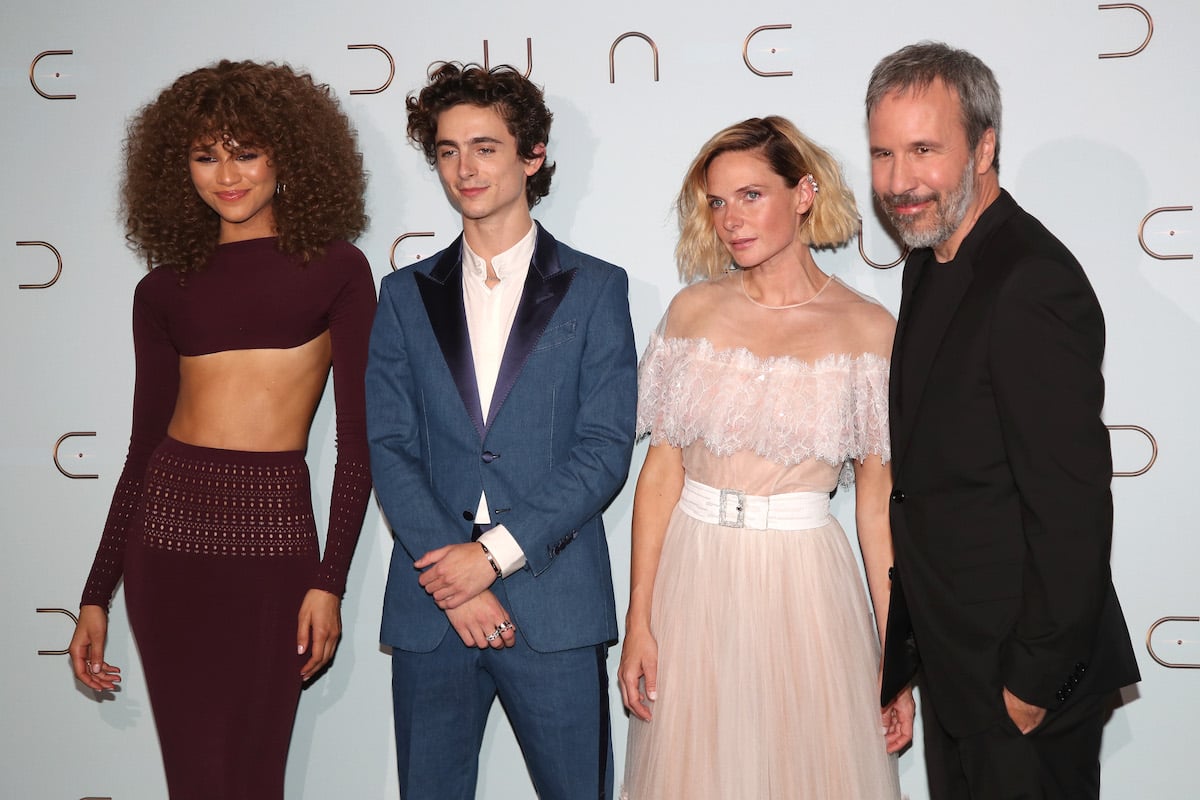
point(767, 684)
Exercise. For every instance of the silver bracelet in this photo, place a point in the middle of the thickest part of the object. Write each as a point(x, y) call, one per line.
point(492, 561)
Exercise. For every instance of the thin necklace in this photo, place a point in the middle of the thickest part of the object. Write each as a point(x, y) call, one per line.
point(781, 308)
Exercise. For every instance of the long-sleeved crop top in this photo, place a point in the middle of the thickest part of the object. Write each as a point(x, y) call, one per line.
point(250, 295)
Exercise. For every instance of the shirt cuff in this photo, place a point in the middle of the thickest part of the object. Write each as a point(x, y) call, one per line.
point(504, 548)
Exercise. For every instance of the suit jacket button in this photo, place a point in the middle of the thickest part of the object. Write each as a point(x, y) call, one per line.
point(468, 516)
point(891, 573)
point(489, 456)
point(897, 496)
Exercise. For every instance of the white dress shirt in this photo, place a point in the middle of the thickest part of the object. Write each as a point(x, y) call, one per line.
point(490, 314)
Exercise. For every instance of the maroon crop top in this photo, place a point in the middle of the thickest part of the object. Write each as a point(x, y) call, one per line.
point(249, 296)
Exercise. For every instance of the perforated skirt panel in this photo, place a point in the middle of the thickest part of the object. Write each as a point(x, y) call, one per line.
point(221, 552)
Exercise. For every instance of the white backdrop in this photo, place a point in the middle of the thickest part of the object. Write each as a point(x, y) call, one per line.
point(1091, 145)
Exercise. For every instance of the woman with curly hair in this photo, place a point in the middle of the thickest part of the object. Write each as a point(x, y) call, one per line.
point(749, 663)
point(242, 186)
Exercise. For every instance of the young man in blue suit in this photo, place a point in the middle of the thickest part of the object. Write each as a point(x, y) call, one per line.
point(501, 394)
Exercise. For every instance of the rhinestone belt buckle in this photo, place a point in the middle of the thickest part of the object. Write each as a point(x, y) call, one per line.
point(722, 516)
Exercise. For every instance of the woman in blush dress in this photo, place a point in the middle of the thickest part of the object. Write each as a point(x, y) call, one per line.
point(242, 184)
point(750, 662)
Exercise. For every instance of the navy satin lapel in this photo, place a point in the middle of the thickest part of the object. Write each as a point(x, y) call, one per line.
point(545, 287)
point(441, 292)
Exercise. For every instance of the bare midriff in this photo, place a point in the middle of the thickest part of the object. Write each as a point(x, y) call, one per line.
point(260, 400)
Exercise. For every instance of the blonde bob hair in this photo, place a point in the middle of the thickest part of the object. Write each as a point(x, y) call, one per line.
point(832, 221)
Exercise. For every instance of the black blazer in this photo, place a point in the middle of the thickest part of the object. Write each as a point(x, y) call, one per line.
point(1001, 513)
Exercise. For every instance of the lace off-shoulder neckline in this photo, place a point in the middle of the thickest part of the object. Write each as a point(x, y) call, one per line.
point(781, 408)
point(741, 353)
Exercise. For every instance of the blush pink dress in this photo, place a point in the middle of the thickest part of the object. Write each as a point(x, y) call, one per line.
point(768, 656)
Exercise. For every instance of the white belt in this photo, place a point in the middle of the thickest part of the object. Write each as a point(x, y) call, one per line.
point(732, 508)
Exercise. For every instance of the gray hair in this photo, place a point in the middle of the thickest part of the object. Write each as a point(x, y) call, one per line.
point(917, 66)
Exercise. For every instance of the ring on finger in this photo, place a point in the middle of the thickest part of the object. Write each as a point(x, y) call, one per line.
point(501, 627)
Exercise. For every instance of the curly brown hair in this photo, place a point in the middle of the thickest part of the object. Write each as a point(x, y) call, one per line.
point(294, 120)
point(514, 97)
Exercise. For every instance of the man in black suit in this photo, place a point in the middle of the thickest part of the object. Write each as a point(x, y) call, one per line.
point(1001, 513)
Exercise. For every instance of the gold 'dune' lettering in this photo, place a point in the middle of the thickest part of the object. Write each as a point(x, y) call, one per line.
point(33, 78)
point(58, 444)
point(528, 56)
point(401, 238)
point(1149, 28)
point(391, 67)
point(746, 51)
point(74, 621)
point(863, 253)
point(612, 72)
point(58, 273)
point(1153, 450)
point(1178, 641)
point(1142, 234)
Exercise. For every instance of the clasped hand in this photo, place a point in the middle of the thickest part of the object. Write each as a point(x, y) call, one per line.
point(897, 721)
point(478, 622)
point(455, 573)
point(457, 577)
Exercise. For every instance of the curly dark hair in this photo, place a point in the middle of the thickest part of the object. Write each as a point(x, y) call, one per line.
point(294, 120)
point(514, 97)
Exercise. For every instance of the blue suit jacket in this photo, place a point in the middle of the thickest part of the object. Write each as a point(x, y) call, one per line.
point(552, 453)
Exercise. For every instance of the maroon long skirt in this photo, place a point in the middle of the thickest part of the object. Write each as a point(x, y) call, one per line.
point(217, 565)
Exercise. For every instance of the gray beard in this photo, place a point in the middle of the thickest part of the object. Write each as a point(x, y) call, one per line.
point(950, 210)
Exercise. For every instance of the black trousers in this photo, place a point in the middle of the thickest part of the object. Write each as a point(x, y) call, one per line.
point(1058, 760)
